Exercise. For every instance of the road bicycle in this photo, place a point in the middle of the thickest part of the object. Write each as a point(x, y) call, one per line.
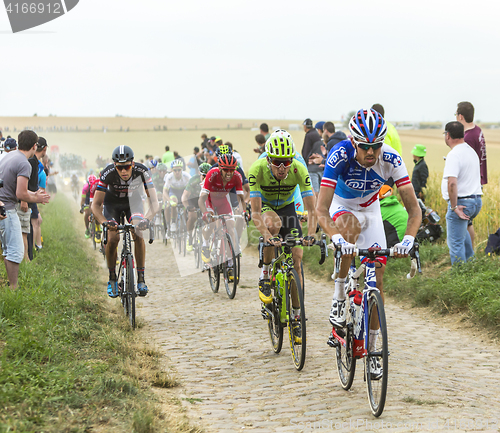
point(198, 239)
point(285, 285)
point(222, 250)
point(127, 290)
point(365, 313)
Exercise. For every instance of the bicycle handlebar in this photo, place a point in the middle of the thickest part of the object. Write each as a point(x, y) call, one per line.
point(128, 227)
point(373, 252)
point(293, 242)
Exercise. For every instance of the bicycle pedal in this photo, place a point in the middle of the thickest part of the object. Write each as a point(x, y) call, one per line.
point(332, 342)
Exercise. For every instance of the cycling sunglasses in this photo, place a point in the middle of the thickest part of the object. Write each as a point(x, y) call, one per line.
point(278, 162)
point(366, 146)
point(123, 167)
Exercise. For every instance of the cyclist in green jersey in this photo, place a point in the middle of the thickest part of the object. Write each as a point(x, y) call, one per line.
point(272, 183)
point(190, 199)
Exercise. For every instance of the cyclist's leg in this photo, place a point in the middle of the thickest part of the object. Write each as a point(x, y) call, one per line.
point(273, 223)
point(349, 224)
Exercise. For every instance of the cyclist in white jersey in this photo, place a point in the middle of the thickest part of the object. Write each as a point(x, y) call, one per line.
point(173, 188)
point(348, 208)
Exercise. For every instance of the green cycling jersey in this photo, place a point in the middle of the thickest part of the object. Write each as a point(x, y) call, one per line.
point(274, 193)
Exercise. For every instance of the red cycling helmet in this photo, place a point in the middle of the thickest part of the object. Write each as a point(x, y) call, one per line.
point(227, 162)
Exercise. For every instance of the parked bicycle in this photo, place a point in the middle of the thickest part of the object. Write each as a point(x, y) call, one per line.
point(366, 313)
point(288, 293)
point(222, 251)
point(127, 289)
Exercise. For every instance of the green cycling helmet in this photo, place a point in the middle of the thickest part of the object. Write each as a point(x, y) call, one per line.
point(280, 145)
point(204, 168)
point(162, 167)
point(223, 149)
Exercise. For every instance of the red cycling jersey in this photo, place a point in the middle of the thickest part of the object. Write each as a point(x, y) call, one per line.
point(218, 194)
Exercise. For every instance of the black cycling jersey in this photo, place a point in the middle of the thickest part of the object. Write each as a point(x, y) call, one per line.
point(111, 182)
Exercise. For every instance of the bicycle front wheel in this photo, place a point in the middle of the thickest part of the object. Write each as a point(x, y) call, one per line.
point(274, 322)
point(130, 290)
point(197, 243)
point(230, 281)
point(346, 363)
point(296, 324)
point(377, 359)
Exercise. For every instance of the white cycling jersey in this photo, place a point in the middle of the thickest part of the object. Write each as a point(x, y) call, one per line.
point(172, 183)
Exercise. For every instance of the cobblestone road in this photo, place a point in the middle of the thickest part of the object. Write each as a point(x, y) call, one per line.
point(441, 378)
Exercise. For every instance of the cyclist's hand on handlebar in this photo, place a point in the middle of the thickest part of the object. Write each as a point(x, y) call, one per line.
point(82, 209)
point(143, 224)
point(274, 240)
point(207, 217)
point(346, 247)
point(308, 241)
point(111, 225)
point(403, 248)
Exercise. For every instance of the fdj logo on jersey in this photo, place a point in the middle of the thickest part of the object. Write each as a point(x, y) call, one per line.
point(339, 155)
point(395, 160)
point(26, 14)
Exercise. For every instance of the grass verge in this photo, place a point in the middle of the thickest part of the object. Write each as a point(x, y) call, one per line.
point(68, 359)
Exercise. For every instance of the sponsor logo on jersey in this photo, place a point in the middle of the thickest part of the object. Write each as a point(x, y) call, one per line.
point(394, 159)
point(364, 185)
point(337, 156)
point(308, 181)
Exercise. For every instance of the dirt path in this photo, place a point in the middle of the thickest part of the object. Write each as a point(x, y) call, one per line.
point(440, 378)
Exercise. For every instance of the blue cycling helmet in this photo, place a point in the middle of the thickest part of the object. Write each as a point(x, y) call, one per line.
point(368, 127)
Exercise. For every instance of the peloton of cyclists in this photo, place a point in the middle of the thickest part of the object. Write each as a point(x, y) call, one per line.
point(120, 189)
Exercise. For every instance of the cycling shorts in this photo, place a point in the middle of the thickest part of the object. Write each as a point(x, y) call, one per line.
point(114, 206)
point(370, 219)
point(290, 223)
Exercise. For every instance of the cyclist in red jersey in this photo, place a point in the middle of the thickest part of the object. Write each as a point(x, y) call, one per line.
point(85, 203)
point(214, 197)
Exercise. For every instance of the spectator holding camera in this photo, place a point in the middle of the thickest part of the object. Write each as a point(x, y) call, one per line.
point(15, 170)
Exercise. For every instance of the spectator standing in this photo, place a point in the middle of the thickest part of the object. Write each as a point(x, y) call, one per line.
point(204, 143)
point(312, 145)
point(194, 162)
point(473, 135)
point(264, 130)
point(15, 171)
point(51, 180)
point(319, 128)
point(330, 137)
point(461, 188)
point(392, 137)
point(9, 145)
point(420, 170)
point(168, 156)
point(261, 143)
point(35, 234)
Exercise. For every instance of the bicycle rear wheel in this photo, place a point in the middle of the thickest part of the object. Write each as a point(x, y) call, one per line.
point(130, 290)
point(376, 381)
point(274, 322)
point(296, 325)
point(197, 243)
point(92, 232)
point(346, 363)
point(228, 254)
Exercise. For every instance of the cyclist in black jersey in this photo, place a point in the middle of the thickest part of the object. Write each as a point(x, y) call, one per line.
point(120, 189)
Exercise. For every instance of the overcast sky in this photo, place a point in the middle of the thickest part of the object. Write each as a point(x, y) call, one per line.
point(255, 59)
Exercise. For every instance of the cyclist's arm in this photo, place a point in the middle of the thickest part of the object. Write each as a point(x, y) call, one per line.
point(312, 217)
point(186, 195)
point(323, 203)
point(414, 212)
point(246, 191)
point(201, 201)
point(97, 207)
point(256, 203)
point(154, 207)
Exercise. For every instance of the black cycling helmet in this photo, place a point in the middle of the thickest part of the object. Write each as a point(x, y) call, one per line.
point(123, 154)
